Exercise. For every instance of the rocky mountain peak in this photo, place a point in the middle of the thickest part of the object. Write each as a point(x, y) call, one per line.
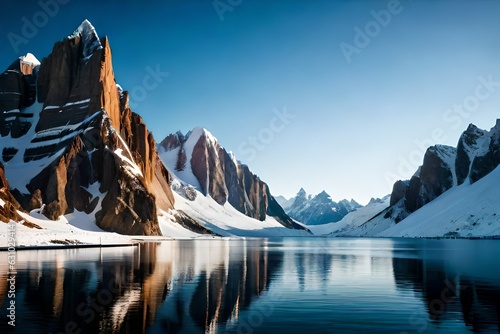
point(323, 197)
point(89, 40)
point(72, 140)
point(302, 193)
point(495, 133)
point(476, 155)
point(27, 63)
point(198, 159)
point(354, 203)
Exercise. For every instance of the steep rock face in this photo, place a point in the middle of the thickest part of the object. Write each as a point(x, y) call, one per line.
point(469, 144)
point(476, 155)
point(8, 204)
point(214, 172)
point(398, 191)
point(207, 163)
point(18, 85)
point(486, 162)
point(320, 209)
point(80, 132)
point(434, 177)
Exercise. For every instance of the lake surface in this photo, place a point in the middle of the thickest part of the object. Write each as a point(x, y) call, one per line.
point(291, 285)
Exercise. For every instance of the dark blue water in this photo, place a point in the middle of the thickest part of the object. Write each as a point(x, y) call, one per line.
point(293, 285)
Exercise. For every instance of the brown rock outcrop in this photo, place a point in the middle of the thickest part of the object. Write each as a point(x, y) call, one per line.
point(86, 133)
point(9, 207)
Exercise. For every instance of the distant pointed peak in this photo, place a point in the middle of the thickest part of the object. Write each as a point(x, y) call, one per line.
point(323, 196)
point(29, 58)
point(354, 203)
point(25, 64)
point(472, 127)
point(89, 39)
point(199, 132)
point(301, 192)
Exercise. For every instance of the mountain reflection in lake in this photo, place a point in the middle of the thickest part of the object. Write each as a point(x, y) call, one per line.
point(292, 285)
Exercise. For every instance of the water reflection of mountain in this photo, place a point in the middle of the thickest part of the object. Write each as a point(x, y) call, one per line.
point(169, 287)
point(448, 293)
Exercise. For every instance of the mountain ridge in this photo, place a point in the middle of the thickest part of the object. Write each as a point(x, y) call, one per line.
point(198, 159)
point(319, 209)
point(448, 176)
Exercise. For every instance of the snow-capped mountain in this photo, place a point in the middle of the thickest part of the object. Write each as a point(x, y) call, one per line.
point(71, 143)
point(73, 151)
point(353, 219)
point(202, 165)
point(283, 202)
point(317, 210)
point(453, 193)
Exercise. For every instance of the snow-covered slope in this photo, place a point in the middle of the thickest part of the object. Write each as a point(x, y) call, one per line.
point(37, 230)
point(224, 220)
point(468, 210)
point(453, 193)
point(353, 219)
point(170, 156)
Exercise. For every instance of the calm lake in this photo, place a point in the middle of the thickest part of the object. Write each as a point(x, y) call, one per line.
point(290, 285)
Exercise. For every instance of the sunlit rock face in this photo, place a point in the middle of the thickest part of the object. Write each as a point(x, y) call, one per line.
point(70, 139)
point(197, 157)
point(8, 204)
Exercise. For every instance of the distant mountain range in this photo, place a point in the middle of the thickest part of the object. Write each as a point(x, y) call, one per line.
point(316, 210)
point(72, 150)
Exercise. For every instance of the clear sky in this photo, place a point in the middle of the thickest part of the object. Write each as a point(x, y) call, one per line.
point(341, 96)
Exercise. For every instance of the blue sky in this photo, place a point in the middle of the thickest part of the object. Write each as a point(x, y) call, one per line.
point(271, 81)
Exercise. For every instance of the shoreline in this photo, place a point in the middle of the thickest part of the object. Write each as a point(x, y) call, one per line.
point(136, 241)
point(55, 246)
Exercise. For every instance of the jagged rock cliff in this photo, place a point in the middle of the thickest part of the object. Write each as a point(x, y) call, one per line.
point(70, 141)
point(8, 204)
point(199, 160)
point(476, 155)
